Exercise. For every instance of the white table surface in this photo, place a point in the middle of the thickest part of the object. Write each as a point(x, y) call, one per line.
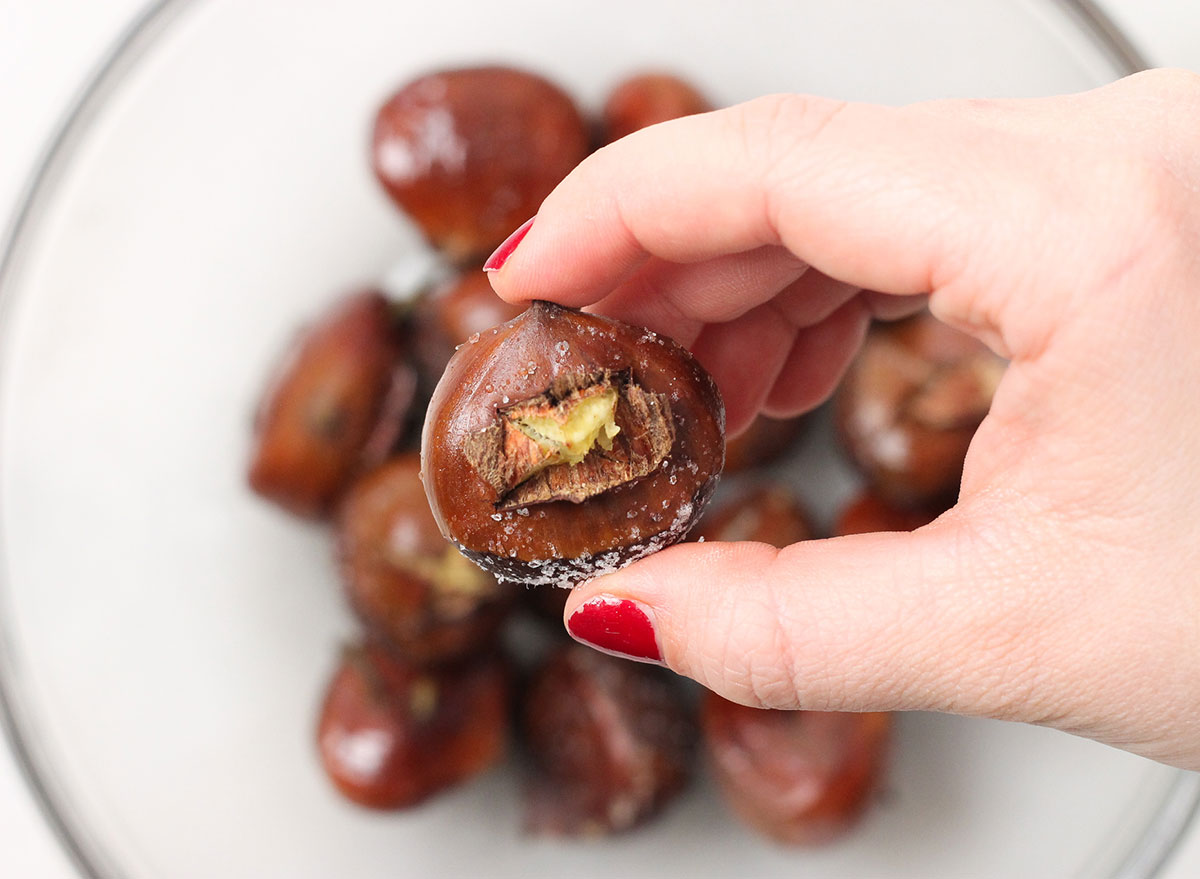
point(47, 48)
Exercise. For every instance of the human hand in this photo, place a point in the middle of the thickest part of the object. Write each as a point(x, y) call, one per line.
point(1064, 232)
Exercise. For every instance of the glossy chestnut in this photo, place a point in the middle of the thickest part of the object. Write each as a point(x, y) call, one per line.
point(869, 513)
point(562, 445)
point(647, 99)
point(910, 404)
point(798, 777)
point(403, 579)
point(339, 403)
point(391, 735)
point(763, 513)
point(612, 742)
point(469, 154)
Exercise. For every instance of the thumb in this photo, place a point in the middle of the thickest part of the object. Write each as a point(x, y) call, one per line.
point(868, 622)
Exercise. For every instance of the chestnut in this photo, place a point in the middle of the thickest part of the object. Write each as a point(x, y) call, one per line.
point(562, 445)
point(612, 742)
point(340, 402)
point(391, 735)
point(764, 513)
point(869, 513)
point(469, 154)
point(452, 313)
point(798, 777)
point(647, 99)
point(765, 441)
point(403, 579)
point(909, 406)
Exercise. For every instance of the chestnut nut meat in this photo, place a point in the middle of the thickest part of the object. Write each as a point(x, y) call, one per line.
point(562, 445)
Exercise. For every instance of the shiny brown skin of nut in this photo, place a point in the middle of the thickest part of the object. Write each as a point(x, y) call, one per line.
point(612, 742)
point(339, 403)
point(909, 406)
point(560, 542)
point(403, 579)
point(470, 154)
point(450, 315)
point(797, 777)
point(391, 735)
point(868, 513)
point(764, 442)
point(764, 514)
point(647, 99)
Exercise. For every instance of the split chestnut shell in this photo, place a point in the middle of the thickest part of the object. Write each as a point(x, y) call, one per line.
point(563, 445)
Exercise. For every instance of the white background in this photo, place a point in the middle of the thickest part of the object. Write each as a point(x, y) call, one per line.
point(48, 47)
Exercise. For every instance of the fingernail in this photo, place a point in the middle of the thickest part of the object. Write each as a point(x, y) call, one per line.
point(505, 250)
point(617, 626)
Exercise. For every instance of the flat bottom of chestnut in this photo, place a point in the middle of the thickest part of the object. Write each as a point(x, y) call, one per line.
point(568, 572)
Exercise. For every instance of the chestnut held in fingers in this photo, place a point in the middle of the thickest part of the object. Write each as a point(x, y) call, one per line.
point(647, 99)
point(765, 514)
point(612, 742)
point(909, 406)
point(563, 445)
point(407, 583)
point(470, 154)
point(340, 402)
point(799, 777)
point(390, 735)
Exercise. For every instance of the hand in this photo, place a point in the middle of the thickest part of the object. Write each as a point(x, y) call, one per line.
point(1064, 587)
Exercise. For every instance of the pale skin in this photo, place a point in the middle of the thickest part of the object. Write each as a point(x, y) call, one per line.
point(1064, 586)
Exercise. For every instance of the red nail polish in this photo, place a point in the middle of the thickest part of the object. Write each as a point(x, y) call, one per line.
point(505, 250)
point(617, 626)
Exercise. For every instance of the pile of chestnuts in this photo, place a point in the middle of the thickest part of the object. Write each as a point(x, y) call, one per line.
point(556, 445)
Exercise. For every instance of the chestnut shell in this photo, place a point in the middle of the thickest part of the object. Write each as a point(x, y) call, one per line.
point(392, 557)
point(647, 99)
point(561, 542)
point(798, 777)
point(470, 154)
point(869, 513)
point(612, 742)
point(909, 406)
point(339, 403)
point(764, 513)
point(391, 735)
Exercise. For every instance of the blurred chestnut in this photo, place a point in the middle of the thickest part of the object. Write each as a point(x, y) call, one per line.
point(451, 314)
point(611, 740)
point(869, 513)
point(562, 445)
point(469, 154)
point(340, 402)
point(762, 443)
point(407, 583)
point(798, 777)
point(647, 99)
point(909, 405)
point(390, 735)
point(765, 513)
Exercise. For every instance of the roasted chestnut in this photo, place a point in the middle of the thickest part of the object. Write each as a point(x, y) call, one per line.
point(562, 445)
point(764, 513)
point(762, 443)
point(612, 742)
point(390, 734)
point(869, 513)
point(450, 315)
point(339, 403)
point(469, 154)
point(647, 99)
point(798, 777)
point(407, 583)
point(910, 404)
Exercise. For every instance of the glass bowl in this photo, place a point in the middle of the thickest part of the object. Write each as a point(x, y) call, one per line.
point(164, 636)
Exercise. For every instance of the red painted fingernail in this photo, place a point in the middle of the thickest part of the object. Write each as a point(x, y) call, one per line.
point(617, 626)
point(505, 250)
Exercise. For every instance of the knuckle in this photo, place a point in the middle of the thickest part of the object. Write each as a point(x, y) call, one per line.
point(770, 129)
